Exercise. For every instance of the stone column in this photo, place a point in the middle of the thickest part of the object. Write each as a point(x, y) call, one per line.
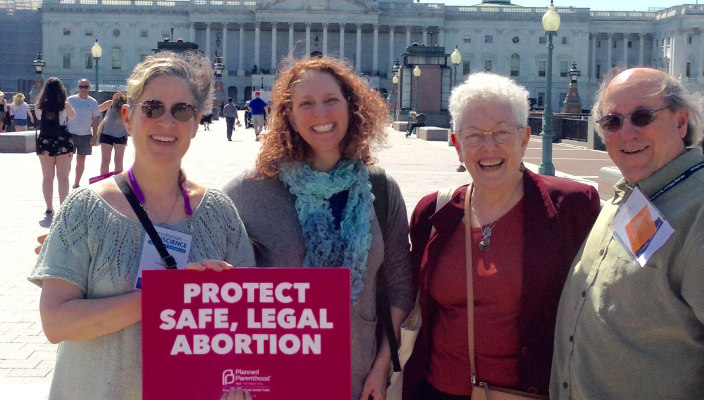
point(325, 39)
point(257, 45)
point(625, 50)
point(408, 36)
point(274, 59)
point(240, 58)
point(609, 45)
point(224, 48)
point(595, 38)
point(290, 37)
point(358, 59)
point(375, 51)
point(425, 36)
point(307, 39)
point(700, 64)
point(342, 41)
point(392, 53)
point(207, 39)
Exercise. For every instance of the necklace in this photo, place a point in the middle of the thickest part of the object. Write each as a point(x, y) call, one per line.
point(142, 200)
point(486, 236)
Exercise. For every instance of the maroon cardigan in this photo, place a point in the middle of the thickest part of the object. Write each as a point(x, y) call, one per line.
point(558, 215)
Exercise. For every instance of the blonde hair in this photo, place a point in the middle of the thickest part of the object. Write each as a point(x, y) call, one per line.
point(18, 99)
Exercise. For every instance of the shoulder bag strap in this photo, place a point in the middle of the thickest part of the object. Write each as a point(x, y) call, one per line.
point(470, 280)
point(377, 177)
point(126, 189)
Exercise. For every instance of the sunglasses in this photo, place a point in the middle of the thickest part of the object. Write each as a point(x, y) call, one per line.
point(84, 86)
point(475, 138)
point(153, 109)
point(639, 117)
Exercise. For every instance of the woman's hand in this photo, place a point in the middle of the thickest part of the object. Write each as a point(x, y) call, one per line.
point(215, 265)
point(40, 239)
point(375, 383)
point(236, 394)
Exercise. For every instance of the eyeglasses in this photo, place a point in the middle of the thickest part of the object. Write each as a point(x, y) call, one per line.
point(84, 86)
point(639, 117)
point(475, 138)
point(153, 109)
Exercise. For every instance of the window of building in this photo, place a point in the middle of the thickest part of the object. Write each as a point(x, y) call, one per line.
point(89, 32)
point(542, 65)
point(598, 43)
point(465, 67)
point(598, 71)
point(688, 69)
point(564, 67)
point(116, 58)
point(116, 32)
point(689, 39)
point(89, 60)
point(143, 33)
point(613, 44)
point(541, 99)
point(488, 39)
point(488, 65)
point(630, 44)
point(515, 65)
point(516, 39)
point(66, 60)
point(67, 31)
point(668, 41)
point(467, 39)
point(565, 40)
point(542, 40)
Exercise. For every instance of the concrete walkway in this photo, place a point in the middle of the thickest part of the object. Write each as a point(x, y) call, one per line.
point(27, 359)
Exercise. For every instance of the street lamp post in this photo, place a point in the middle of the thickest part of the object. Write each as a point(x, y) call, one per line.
point(416, 73)
point(394, 85)
point(39, 79)
point(551, 22)
point(219, 92)
point(456, 59)
point(96, 51)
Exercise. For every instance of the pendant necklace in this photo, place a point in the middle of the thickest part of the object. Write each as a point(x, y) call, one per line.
point(486, 239)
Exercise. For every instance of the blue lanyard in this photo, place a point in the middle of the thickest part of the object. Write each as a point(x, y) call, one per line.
point(686, 174)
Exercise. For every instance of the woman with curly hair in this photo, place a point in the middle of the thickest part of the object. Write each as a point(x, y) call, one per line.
point(54, 143)
point(308, 203)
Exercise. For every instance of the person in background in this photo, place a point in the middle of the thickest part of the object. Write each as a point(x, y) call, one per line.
point(524, 231)
point(230, 114)
point(114, 134)
point(84, 127)
point(312, 171)
point(256, 108)
point(89, 263)
point(54, 143)
point(633, 327)
point(20, 110)
point(3, 111)
point(417, 120)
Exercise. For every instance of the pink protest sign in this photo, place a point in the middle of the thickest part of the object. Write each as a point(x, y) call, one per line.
point(281, 333)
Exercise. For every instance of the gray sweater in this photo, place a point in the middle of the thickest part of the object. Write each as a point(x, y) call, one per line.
point(269, 215)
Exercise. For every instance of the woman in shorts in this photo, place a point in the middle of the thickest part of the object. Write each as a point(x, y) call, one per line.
point(114, 134)
point(20, 110)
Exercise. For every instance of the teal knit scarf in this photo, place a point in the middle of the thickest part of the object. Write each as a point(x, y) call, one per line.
point(327, 246)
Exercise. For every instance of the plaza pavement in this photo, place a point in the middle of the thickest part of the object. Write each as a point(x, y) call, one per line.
point(27, 359)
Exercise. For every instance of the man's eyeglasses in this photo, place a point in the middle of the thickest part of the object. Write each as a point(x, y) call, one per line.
point(475, 138)
point(84, 86)
point(639, 117)
point(153, 109)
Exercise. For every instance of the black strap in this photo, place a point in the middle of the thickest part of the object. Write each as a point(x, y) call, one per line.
point(377, 177)
point(126, 189)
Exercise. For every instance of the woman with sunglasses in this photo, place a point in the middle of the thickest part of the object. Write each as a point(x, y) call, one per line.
point(309, 202)
point(89, 264)
point(523, 230)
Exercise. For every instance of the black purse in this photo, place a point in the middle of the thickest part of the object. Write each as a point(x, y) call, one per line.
point(126, 189)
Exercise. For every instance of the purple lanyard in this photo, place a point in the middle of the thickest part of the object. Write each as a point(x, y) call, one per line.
point(140, 196)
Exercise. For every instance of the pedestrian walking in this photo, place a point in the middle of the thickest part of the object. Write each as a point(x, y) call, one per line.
point(84, 127)
point(230, 114)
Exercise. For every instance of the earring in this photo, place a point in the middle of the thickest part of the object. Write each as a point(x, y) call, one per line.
point(461, 168)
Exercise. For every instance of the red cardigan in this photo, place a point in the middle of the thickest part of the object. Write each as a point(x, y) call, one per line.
point(558, 215)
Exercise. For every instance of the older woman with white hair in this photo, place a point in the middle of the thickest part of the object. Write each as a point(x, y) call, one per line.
point(517, 232)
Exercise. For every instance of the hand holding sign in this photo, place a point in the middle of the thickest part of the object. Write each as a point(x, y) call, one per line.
point(236, 394)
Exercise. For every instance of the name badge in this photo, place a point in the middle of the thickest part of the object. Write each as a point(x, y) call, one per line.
point(178, 244)
point(640, 228)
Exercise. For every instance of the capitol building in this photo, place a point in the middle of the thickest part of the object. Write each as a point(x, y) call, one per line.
point(253, 36)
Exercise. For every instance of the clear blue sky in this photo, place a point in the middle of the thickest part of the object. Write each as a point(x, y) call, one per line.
point(595, 5)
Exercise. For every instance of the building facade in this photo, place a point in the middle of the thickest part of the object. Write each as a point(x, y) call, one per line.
point(254, 36)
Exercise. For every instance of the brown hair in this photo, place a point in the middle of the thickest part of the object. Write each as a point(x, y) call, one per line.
point(367, 115)
point(118, 100)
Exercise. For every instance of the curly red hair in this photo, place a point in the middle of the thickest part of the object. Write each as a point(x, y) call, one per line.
point(368, 113)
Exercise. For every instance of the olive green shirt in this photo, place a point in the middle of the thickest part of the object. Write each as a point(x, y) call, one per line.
point(630, 332)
